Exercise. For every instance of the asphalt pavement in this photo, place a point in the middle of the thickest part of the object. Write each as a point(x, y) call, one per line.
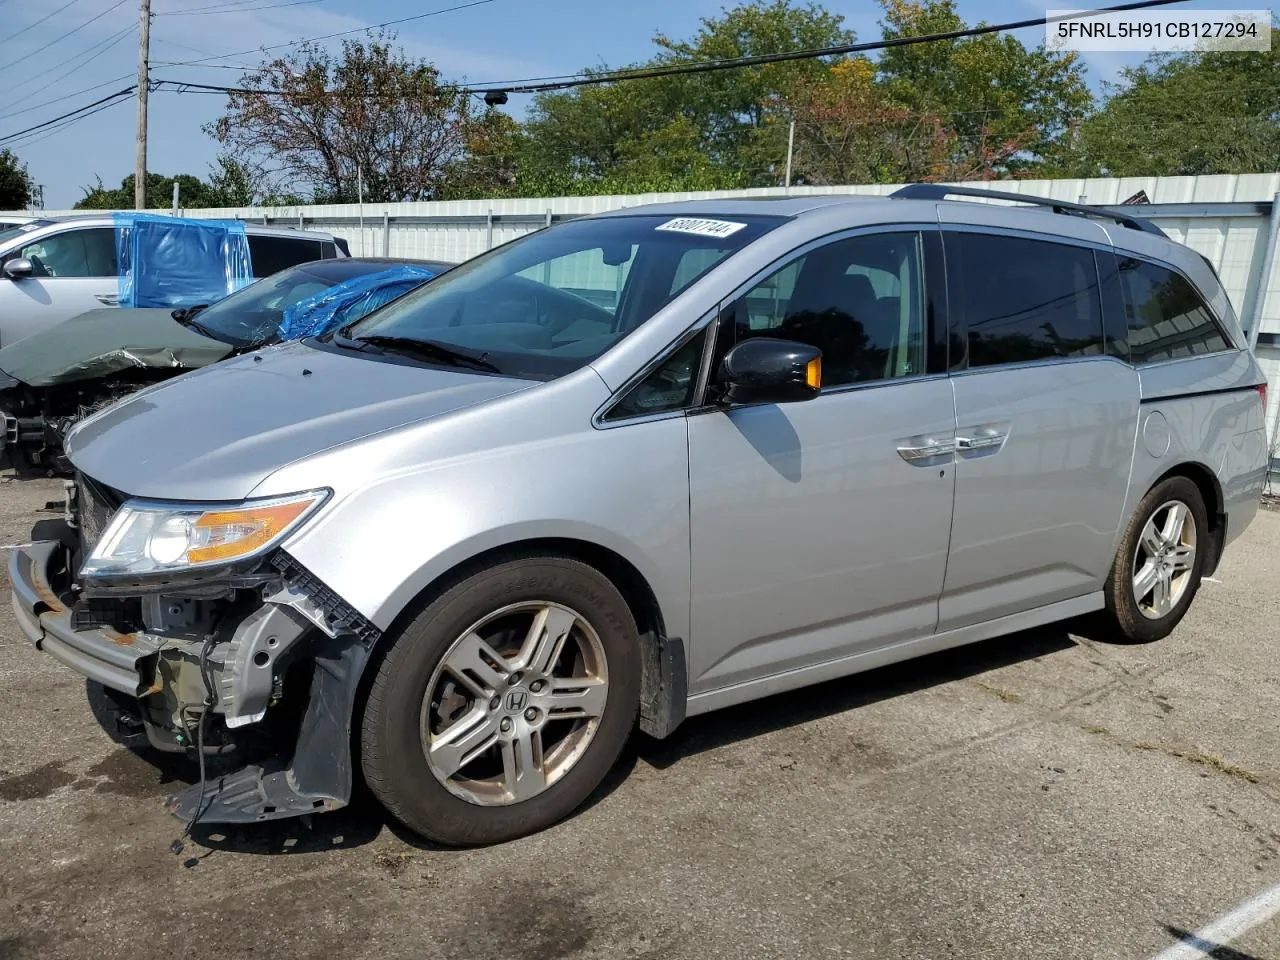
point(1042, 795)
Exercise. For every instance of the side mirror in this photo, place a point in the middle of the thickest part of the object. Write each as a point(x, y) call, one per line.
point(765, 370)
point(19, 268)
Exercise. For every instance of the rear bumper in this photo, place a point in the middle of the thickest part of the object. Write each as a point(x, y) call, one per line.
point(124, 662)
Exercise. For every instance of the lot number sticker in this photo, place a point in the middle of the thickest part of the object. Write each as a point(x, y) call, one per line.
point(702, 228)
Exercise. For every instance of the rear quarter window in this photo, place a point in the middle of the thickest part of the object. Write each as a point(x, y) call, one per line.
point(1165, 318)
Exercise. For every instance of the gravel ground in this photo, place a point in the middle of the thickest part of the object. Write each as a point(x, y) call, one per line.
point(1041, 795)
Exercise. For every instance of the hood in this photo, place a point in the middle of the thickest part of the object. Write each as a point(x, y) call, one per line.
point(102, 342)
point(217, 433)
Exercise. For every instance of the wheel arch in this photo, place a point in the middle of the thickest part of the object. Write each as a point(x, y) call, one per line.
point(664, 684)
point(1210, 488)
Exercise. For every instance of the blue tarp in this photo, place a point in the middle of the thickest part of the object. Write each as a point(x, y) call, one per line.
point(349, 301)
point(179, 262)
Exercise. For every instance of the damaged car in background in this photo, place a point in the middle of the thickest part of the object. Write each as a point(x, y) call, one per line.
point(53, 378)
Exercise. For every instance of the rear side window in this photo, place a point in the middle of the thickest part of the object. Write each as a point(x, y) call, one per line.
point(1020, 300)
point(1165, 318)
point(273, 254)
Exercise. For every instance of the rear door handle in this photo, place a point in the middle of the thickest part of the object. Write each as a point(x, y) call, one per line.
point(979, 443)
point(927, 450)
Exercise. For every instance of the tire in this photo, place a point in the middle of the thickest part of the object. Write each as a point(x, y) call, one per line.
point(420, 695)
point(1154, 618)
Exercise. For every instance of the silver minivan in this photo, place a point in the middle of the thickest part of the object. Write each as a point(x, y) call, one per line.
point(635, 467)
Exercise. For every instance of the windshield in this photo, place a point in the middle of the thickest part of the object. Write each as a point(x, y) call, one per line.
point(252, 314)
point(553, 301)
point(10, 233)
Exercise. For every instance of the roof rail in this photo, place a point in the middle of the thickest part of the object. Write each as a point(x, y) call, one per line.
point(940, 191)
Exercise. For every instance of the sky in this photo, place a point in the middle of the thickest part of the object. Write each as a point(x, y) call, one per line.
point(58, 55)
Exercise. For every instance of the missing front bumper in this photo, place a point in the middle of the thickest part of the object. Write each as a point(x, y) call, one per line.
point(311, 773)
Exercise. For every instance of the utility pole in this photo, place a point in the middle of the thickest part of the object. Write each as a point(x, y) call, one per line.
point(791, 143)
point(144, 78)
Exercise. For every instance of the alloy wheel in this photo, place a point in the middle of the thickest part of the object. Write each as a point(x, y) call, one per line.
point(1164, 559)
point(514, 703)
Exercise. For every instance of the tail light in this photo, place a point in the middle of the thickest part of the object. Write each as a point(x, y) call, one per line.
point(1262, 396)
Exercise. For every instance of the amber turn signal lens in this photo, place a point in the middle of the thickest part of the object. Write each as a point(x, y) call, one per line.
point(233, 533)
point(813, 374)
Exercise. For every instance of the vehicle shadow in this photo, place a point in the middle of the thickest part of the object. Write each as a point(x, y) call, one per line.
point(744, 722)
point(364, 819)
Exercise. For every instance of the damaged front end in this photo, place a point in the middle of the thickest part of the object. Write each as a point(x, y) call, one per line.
point(34, 421)
point(253, 660)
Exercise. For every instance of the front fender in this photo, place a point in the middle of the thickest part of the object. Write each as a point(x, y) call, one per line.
point(624, 489)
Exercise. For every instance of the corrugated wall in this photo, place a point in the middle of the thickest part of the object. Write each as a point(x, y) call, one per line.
point(456, 230)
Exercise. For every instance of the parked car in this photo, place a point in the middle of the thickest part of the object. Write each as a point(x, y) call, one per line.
point(78, 269)
point(51, 379)
point(476, 537)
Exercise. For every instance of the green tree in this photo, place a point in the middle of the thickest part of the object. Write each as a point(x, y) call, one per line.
point(1184, 114)
point(193, 193)
point(1010, 109)
point(696, 131)
point(15, 182)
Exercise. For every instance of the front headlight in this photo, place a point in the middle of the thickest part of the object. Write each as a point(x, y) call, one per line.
point(151, 537)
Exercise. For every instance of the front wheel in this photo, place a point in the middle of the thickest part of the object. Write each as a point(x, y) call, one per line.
point(503, 704)
point(1157, 568)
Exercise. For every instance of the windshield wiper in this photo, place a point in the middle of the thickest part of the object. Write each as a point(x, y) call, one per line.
point(184, 314)
point(430, 350)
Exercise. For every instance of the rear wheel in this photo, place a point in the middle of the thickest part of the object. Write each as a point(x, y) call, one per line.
point(1157, 568)
point(504, 703)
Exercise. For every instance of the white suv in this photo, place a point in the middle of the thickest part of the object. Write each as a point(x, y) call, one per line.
point(78, 255)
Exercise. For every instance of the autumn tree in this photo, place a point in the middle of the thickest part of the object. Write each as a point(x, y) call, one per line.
point(849, 130)
point(315, 122)
point(15, 182)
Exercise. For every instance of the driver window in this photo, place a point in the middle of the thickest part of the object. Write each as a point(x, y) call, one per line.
point(858, 300)
point(89, 252)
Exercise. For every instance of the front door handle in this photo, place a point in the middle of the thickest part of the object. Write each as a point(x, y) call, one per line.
point(926, 451)
point(108, 299)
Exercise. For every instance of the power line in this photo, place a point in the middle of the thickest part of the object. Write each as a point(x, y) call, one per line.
point(73, 30)
point(32, 26)
point(45, 135)
point(68, 96)
point(102, 46)
point(243, 68)
point(96, 51)
point(119, 94)
point(708, 66)
point(229, 8)
point(344, 33)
